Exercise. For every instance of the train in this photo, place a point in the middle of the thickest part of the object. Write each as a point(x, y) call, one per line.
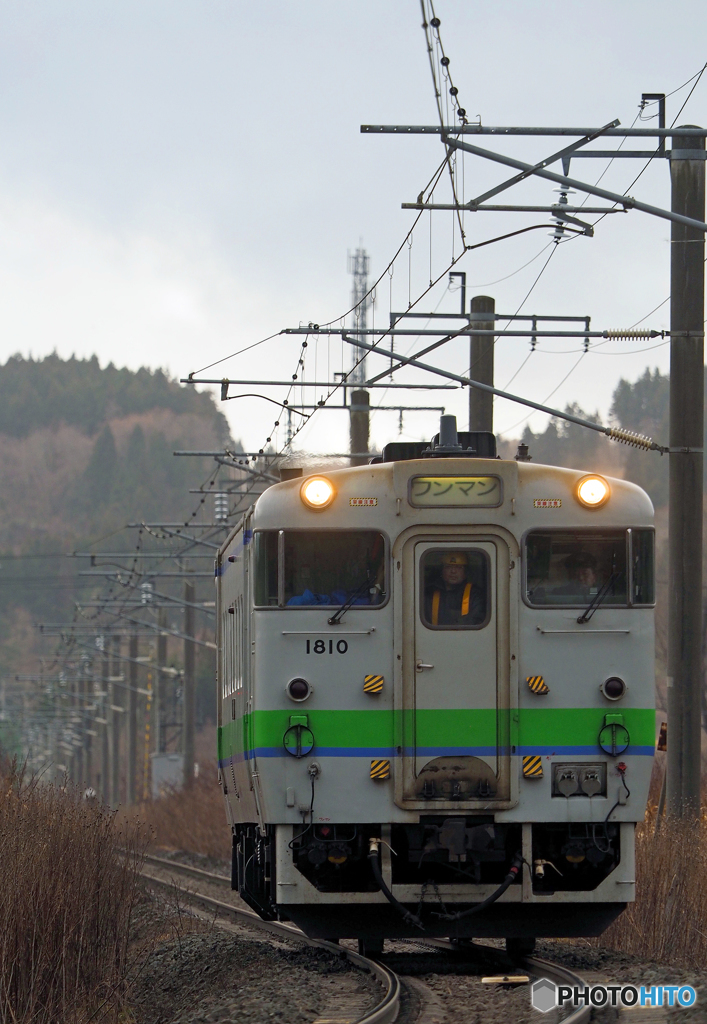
point(436, 695)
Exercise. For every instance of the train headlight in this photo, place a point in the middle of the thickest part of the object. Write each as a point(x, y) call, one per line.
point(317, 492)
point(592, 491)
point(298, 689)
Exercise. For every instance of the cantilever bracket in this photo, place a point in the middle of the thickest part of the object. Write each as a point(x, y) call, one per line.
point(628, 202)
point(562, 154)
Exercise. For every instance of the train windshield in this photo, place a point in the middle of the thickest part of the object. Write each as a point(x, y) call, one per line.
point(309, 568)
point(572, 568)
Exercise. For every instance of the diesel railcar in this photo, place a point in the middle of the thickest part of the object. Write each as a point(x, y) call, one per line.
point(436, 695)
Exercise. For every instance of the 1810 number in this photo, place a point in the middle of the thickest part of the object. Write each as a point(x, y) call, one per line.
point(321, 647)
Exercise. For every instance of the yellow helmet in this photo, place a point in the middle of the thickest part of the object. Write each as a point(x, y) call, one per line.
point(455, 558)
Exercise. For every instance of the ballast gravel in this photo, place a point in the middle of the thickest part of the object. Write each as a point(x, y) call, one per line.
point(221, 978)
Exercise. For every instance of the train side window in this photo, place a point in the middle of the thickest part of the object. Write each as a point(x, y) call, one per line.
point(266, 567)
point(332, 567)
point(455, 589)
point(569, 569)
point(643, 566)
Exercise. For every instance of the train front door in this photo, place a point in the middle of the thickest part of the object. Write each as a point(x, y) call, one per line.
point(456, 669)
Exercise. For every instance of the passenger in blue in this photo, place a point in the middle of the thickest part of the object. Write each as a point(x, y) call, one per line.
point(452, 599)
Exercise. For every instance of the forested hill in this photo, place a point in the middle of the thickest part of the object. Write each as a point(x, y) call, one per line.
point(83, 451)
point(85, 448)
point(77, 392)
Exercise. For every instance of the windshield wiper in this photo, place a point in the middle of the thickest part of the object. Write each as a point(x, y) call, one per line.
point(599, 598)
point(335, 619)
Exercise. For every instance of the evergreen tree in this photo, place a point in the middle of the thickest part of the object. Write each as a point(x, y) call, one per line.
point(100, 473)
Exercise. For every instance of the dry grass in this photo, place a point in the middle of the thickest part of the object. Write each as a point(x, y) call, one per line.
point(192, 819)
point(66, 903)
point(668, 921)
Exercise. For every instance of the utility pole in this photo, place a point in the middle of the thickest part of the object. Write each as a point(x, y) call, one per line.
point(359, 426)
point(359, 264)
point(131, 756)
point(105, 727)
point(188, 692)
point(687, 281)
point(115, 704)
point(160, 737)
point(88, 688)
point(78, 725)
point(481, 360)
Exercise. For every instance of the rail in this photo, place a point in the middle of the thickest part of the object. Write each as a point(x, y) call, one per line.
point(384, 1012)
point(387, 1009)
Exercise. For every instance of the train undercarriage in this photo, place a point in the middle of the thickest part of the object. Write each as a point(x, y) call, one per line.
point(433, 861)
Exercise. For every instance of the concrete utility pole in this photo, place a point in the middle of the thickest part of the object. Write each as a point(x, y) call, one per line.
point(104, 789)
point(687, 303)
point(358, 434)
point(160, 738)
point(189, 691)
point(131, 757)
point(78, 724)
point(88, 688)
point(117, 700)
point(481, 359)
point(359, 264)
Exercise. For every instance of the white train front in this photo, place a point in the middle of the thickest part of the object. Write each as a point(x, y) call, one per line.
point(436, 696)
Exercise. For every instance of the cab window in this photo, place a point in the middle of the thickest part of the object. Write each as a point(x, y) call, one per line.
point(323, 568)
point(309, 568)
point(571, 569)
point(455, 588)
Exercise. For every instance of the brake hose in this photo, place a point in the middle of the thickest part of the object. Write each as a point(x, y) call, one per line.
point(508, 880)
point(375, 868)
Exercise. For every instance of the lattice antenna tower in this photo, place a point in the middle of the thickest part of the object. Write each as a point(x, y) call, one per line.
point(358, 265)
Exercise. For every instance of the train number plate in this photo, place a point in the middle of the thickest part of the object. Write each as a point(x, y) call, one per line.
point(455, 491)
point(328, 646)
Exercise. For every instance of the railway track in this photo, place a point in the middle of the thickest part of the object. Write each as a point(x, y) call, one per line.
point(405, 997)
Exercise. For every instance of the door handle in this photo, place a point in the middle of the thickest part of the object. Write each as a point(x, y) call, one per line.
point(421, 666)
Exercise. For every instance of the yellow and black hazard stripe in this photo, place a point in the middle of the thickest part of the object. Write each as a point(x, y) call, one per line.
point(537, 684)
point(380, 769)
point(533, 766)
point(373, 684)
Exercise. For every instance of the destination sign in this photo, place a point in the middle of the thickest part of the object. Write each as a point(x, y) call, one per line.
point(455, 491)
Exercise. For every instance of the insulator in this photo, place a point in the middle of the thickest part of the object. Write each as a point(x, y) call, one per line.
point(619, 333)
point(221, 508)
point(630, 438)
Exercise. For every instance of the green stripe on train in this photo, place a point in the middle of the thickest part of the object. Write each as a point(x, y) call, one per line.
point(437, 728)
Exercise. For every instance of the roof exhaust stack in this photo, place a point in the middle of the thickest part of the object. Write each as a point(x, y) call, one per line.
point(446, 443)
point(448, 432)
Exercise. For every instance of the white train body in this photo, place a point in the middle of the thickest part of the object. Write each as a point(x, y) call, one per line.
point(516, 730)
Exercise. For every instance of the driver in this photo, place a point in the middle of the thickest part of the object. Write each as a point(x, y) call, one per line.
point(453, 600)
point(582, 576)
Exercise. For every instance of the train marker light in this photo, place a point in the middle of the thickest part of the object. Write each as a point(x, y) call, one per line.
point(592, 491)
point(298, 689)
point(317, 493)
point(613, 688)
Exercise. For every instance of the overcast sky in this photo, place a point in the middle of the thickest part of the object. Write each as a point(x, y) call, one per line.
point(179, 179)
